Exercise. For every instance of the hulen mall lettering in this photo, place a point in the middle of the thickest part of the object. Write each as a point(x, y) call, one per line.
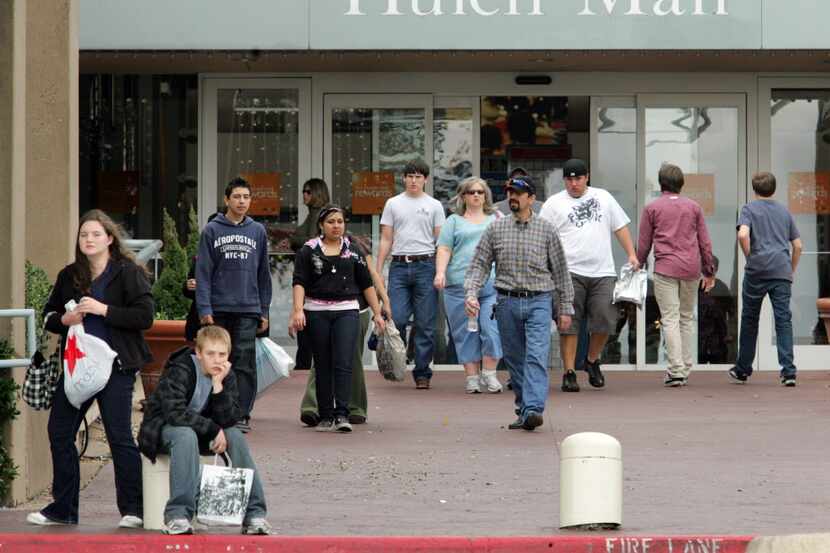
point(660, 8)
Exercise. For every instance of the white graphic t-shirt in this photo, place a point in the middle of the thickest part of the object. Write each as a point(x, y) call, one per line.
point(413, 221)
point(586, 226)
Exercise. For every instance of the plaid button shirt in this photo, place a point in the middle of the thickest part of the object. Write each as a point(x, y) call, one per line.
point(528, 256)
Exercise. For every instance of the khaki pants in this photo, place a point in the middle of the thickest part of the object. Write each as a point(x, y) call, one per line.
point(676, 299)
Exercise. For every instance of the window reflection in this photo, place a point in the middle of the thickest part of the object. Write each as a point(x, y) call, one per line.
point(801, 163)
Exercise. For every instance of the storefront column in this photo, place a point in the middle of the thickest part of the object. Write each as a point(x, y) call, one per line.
point(38, 184)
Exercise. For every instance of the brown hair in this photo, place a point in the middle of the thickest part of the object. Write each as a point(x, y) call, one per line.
point(763, 184)
point(212, 333)
point(80, 270)
point(319, 192)
point(670, 178)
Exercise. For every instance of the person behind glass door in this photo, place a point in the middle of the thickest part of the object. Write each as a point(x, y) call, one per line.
point(477, 350)
point(717, 314)
point(329, 275)
point(585, 218)
point(675, 227)
point(315, 196)
point(530, 267)
point(772, 245)
point(114, 304)
point(409, 226)
point(233, 285)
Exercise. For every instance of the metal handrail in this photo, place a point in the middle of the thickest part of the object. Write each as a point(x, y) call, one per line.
point(145, 249)
point(31, 336)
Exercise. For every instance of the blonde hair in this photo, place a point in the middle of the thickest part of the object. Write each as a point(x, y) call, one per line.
point(464, 186)
point(212, 333)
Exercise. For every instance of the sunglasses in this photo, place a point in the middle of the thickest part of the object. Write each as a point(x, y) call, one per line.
point(306, 191)
point(474, 192)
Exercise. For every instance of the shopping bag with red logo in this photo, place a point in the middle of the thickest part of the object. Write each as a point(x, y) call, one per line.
point(87, 364)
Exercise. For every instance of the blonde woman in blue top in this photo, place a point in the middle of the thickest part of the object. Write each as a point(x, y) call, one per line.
point(478, 349)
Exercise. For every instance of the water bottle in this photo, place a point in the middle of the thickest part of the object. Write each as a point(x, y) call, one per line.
point(472, 323)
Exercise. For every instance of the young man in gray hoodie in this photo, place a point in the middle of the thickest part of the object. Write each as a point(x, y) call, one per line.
point(233, 285)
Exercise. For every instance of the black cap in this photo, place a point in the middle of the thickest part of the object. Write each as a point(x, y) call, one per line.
point(574, 168)
point(521, 184)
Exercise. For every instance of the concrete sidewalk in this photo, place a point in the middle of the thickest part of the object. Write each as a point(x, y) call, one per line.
point(710, 459)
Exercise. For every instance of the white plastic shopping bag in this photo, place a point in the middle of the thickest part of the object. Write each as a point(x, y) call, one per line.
point(391, 354)
point(87, 363)
point(223, 494)
point(272, 364)
point(632, 286)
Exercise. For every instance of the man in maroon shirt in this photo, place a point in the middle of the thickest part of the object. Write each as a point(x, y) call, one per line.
point(674, 225)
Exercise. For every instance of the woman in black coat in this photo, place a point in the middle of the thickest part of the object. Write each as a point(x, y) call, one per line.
point(114, 304)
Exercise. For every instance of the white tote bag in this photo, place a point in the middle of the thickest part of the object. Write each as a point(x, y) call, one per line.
point(632, 286)
point(87, 364)
point(272, 364)
point(223, 494)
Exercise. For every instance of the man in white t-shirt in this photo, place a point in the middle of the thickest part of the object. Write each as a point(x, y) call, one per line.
point(409, 227)
point(585, 218)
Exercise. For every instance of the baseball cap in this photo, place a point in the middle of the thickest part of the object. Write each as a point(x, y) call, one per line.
point(521, 184)
point(574, 168)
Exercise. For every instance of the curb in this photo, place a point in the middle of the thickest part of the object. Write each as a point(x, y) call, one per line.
point(140, 543)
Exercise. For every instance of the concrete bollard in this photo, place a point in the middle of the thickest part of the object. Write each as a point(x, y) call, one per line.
point(590, 482)
point(155, 480)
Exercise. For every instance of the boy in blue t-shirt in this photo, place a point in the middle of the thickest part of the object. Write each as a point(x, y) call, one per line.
point(770, 241)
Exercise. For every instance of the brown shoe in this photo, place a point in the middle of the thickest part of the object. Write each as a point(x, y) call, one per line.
point(422, 383)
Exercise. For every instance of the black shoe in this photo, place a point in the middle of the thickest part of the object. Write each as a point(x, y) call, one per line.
point(788, 381)
point(595, 377)
point(532, 420)
point(517, 424)
point(310, 418)
point(569, 383)
point(357, 419)
point(737, 376)
point(674, 381)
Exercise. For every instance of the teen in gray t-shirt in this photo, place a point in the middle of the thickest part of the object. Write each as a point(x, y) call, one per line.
point(771, 229)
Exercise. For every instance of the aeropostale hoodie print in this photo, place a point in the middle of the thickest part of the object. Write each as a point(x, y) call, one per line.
point(232, 273)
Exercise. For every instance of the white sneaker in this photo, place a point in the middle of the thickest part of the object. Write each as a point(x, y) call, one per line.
point(177, 527)
point(472, 385)
point(40, 520)
point(490, 382)
point(131, 521)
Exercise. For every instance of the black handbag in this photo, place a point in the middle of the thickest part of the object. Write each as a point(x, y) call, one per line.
point(42, 379)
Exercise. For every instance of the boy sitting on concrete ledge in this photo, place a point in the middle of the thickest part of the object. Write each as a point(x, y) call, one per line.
point(193, 411)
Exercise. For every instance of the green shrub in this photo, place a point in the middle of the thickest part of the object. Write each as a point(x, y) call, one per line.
point(170, 303)
point(38, 287)
point(8, 412)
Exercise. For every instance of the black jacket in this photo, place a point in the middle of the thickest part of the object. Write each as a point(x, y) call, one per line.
point(169, 404)
point(340, 278)
point(130, 311)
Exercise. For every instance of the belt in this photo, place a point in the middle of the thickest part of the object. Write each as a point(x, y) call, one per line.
point(413, 258)
point(521, 293)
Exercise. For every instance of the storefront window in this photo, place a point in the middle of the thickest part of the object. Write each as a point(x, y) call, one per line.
point(801, 164)
point(537, 133)
point(453, 144)
point(258, 139)
point(138, 149)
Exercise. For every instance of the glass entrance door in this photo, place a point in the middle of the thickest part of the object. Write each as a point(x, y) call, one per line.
point(368, 141)
point(259, 129)
point(705, 135)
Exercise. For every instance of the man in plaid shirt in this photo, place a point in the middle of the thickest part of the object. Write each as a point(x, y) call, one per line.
point(530, 267)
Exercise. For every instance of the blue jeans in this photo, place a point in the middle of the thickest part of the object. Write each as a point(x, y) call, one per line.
point(333, 335)
point(524, 327)
point(115, 402)
point(753, 295)
point(182, 444)
point(411, 289)
point(471, 347)
point(242, 328)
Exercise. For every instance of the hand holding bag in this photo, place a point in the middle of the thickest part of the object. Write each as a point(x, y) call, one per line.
point(632, 285)
point(223, 494)
point(272, 364)
point(391, 354)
